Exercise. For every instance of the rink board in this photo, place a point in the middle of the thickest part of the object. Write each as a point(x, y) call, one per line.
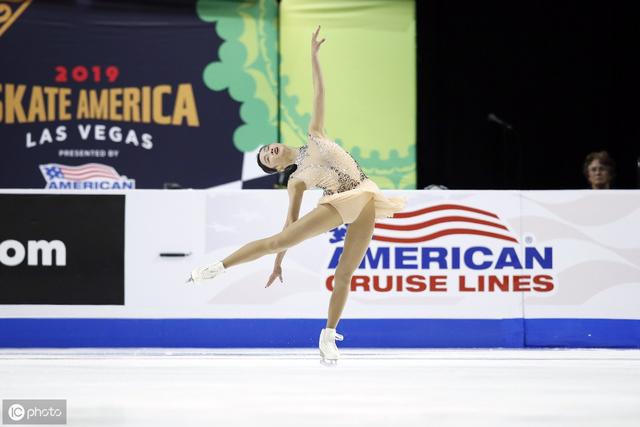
point(455, 269)
point(297, 333)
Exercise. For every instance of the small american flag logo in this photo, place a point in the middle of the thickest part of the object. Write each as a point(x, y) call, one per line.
point(434, 222)
point(88, 176)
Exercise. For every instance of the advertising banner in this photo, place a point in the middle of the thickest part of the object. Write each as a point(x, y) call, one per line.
point(121, 95)
point(61, 249)
point(103, 95)
point(455, 268)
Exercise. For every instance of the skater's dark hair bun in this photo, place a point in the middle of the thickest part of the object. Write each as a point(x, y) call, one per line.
point(289, 170)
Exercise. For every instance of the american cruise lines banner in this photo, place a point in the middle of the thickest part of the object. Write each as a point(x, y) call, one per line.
point(468, 268)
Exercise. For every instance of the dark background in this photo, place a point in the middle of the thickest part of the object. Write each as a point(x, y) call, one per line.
point(562, 73)
point(92, 229)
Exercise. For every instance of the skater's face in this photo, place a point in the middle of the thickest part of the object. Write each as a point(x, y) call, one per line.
point(272, 156)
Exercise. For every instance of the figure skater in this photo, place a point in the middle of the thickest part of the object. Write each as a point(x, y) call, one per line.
point(349, 197)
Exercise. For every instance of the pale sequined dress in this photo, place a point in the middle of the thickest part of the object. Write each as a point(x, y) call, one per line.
point(322, 163)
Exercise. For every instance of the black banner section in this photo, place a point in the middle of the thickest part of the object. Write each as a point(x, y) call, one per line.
point(62, 249)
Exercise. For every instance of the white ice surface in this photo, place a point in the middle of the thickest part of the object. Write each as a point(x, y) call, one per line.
point(274, 387)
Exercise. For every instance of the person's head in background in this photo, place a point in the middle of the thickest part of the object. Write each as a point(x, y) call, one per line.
point(599, 169)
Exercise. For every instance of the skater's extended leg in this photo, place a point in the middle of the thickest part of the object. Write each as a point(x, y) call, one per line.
point(356, 243)
point(321, 219)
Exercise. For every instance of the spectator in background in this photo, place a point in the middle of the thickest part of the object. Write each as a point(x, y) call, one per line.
point(599, 169)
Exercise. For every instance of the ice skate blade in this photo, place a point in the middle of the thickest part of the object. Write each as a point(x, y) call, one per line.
point(327, 362)
point(190, 281)
point(330, 363)
point(193, 282)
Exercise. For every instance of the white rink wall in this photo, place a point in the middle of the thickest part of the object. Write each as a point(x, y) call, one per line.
point(455, 269)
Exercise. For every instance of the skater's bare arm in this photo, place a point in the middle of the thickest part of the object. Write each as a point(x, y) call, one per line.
point(295, 188)
point(316, 126)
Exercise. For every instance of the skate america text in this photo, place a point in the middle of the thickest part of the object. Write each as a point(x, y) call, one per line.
point(506, 271)
point(148, 104)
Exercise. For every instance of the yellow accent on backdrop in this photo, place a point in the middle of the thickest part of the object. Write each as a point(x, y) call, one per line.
point(369, 68)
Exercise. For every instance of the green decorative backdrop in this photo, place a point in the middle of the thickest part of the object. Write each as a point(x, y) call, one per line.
point(368, 66)
point(248, 65)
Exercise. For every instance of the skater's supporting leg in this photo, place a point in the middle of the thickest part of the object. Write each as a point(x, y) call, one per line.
point(321, 219)
point(356, 243)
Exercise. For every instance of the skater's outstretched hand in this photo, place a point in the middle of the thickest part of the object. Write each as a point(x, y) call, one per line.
point(277, 273)
point(315, 44)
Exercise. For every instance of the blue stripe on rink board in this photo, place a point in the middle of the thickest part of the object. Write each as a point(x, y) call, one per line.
point(620, 333)
point(55, 332)
point(383, 333)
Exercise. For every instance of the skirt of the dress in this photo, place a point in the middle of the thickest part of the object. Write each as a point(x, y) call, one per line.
point(349, 204)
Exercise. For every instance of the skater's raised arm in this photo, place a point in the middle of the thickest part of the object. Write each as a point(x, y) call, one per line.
point(316, 125)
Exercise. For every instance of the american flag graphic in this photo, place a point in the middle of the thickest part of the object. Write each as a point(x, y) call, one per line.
point(85, 172)
point(432, 222)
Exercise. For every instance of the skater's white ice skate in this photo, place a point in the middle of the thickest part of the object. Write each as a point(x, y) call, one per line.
point(327, 345)
point(207, 272)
